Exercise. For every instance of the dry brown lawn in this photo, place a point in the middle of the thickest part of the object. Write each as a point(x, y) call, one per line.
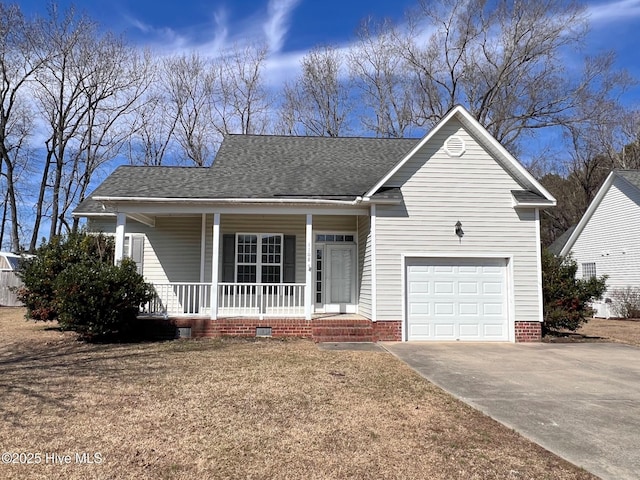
point(240, 409)
point(623, 331)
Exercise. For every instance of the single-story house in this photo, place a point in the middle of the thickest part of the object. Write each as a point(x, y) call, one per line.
point(432, 239)
point(606, 240)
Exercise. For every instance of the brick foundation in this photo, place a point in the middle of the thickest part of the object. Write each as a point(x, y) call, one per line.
point(319, 329)
point(387, 331)
point(528, 332)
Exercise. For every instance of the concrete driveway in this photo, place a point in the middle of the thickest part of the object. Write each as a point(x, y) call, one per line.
point(580, 401)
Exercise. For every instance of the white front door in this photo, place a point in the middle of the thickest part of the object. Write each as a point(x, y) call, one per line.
point(338, 276)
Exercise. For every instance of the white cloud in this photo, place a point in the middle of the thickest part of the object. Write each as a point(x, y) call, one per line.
point(277, 24)
point(613, 11)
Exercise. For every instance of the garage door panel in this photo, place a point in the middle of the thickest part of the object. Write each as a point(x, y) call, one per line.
point(468, 331)
point(470, 269)
point(492, 288)
point(443, 288)
point(493, 309)
point(418, 309)
point(468, 309)
point(443, 269)
point(493, 330)
point(421, 331)
point(447, 308)
point(457, 299)
point(419, 287)
point(468, 288)
point(444, 330)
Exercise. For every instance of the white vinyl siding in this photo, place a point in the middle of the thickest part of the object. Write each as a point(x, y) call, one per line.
point(171, 248)
point(611, 237)
point(364, 265)
point(438, 191)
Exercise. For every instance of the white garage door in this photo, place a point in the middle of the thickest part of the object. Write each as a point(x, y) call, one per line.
point(457, 299)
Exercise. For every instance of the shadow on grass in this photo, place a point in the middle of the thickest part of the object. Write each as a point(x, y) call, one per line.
point(52, 374)
point(553, 336)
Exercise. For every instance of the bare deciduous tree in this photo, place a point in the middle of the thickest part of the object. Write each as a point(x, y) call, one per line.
point(19, 61)
point(189, 85)
point(241, 100)
point(319, 101)
point(502, 60)
point(152, 124)
point(382, 77)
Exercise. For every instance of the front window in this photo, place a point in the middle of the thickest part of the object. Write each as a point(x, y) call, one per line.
point(259, 258)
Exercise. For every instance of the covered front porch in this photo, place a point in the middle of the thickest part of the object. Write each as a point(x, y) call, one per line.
point(258, 263)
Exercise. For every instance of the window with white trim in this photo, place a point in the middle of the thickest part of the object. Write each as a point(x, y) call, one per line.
point(588, 270)
point(259, 257)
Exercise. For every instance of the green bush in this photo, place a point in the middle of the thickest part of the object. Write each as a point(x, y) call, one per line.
point(567, 298)
point(39, 273)
point(100, 300)
point(72, 279)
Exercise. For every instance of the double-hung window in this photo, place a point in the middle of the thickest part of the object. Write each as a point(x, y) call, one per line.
point(259, 258)
point(588, 270)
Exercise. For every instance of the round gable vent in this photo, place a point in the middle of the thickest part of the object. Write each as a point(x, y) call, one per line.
point(454, 146)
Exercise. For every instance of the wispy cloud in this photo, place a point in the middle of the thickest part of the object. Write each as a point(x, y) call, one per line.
point(613, 11)
point(277, 24)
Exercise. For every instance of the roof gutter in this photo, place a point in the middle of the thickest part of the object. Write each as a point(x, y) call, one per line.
point(302, 201)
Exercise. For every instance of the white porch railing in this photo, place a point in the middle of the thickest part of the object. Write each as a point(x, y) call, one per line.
point(181, 298)
point(234, 299)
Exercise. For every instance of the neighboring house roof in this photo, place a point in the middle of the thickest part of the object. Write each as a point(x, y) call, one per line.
point(631, 177)
point(280, 168)
point(559, 243)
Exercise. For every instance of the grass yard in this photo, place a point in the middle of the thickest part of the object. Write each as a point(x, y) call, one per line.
point(623, 331)
point(240, 409)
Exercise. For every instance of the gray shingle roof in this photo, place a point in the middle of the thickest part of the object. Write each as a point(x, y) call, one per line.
point(256, 166)
point(631, 176)
point(559, 243)
point(527, 196)
point(249, 166)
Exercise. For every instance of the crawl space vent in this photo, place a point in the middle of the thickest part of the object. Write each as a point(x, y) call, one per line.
point(184, 332)
point(454, 146)
point(263, 331)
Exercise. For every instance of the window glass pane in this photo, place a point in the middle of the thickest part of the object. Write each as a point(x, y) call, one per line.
point(320, 238)
point(246, 273)
point(348, 238)
point(270, 274)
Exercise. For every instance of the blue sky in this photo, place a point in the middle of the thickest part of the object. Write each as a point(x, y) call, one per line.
point(291, 27)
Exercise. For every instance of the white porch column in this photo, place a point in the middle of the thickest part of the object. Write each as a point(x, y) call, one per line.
point(215, 255)
point(374, 265)
point(203, 245)
point(308, 290)
point(121, 222)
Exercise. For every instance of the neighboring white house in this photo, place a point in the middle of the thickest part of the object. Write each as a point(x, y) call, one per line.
point(338, 238)
point(606, 241)
point(9, 281)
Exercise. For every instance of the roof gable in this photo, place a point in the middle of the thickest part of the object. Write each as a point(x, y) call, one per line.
point(629, 177)
point(501, 155)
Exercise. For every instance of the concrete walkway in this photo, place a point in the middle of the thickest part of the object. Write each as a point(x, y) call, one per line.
point(580, 401)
